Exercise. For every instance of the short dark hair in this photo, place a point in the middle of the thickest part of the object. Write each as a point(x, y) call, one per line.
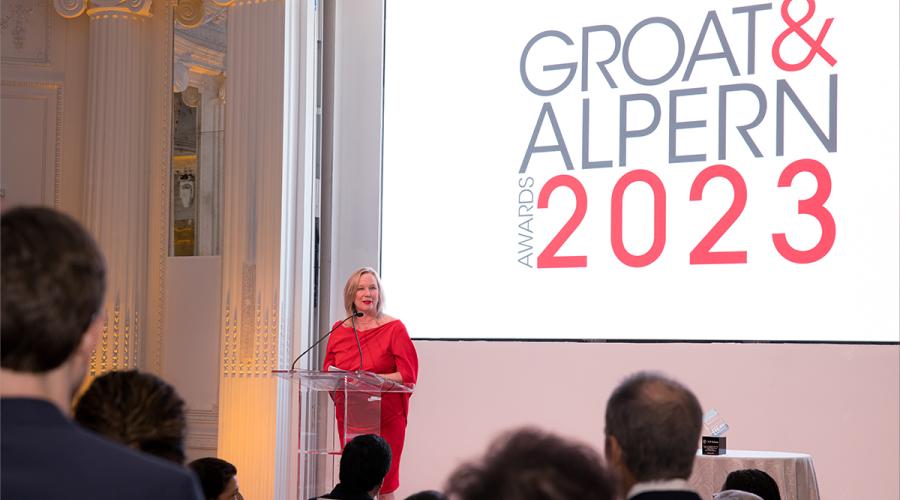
point(365, 461)
point(214, 474)
point(657, 423)
point(136, 409)
point(427, 495)
point(529, 464)
point(52, 287)
point(753, 481)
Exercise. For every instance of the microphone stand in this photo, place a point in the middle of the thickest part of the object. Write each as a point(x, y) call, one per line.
point(355, 334)
point(323, 337)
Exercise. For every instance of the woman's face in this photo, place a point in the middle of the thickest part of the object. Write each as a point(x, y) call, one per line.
point(366, 300)
point(231, 491)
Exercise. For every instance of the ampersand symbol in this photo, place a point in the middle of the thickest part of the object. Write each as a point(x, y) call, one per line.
point(796, 27)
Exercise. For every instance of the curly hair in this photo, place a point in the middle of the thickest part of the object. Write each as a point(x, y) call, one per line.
point(137, 409)
point(529, 464)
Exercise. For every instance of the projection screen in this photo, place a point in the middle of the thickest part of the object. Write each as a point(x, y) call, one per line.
point(705, 170)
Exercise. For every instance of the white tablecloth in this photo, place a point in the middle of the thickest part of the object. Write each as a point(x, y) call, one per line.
point(793, 472)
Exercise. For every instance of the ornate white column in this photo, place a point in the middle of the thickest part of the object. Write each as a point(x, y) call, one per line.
point(251, 242)
point(212, 142)
point(117, 165)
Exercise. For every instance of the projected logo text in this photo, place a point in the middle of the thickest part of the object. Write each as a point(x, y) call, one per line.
point(634, 86)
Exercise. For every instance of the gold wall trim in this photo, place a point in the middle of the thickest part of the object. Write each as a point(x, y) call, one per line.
point(165, 152)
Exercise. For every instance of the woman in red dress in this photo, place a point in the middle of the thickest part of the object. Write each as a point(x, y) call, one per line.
point(387, 351)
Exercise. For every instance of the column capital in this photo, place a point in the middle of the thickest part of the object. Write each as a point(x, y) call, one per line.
point(74, 8)
point(189, 13)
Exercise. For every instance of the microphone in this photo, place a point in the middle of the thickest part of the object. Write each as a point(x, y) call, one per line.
point(358, 346)
point(323, 337)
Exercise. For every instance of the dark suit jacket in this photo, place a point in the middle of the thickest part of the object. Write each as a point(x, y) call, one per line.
point(341, 492)
point(46, 456)
point(667, 495)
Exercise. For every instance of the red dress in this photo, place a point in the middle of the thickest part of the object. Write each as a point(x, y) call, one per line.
point(386, 349)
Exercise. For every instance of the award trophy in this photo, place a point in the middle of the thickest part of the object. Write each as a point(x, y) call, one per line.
point(713, 441)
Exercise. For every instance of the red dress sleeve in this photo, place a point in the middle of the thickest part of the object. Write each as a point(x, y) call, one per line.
point(405, 356)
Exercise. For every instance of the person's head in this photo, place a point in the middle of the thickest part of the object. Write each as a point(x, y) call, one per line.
point(218, 478)
point(652, 429)
point(363, 293)
point(735, 495)
point(532, 465)
point(136, 409)
point(427, 495)
point(52, 290)
point(753, 481)
point(365, 461)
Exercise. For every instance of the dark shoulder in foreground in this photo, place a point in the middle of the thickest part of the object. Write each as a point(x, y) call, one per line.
point(48, 456)
point(667, 495)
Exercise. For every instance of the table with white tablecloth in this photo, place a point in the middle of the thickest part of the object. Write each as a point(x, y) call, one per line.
point(793, 472)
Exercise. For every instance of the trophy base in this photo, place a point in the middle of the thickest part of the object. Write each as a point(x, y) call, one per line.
point(713, 445)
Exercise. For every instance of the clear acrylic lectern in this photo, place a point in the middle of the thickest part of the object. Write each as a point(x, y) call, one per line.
point(352, 397)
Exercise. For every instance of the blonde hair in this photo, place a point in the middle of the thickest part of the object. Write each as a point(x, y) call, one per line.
point(353, 283)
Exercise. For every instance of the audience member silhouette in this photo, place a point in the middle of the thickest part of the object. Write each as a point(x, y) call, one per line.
point(51, 297)
point(218, 478)
point(529, 464)
point(427, 495)
point(364, 463)
point(735, 495)
point(753, 481)
point(652, 432)
point(138, 410)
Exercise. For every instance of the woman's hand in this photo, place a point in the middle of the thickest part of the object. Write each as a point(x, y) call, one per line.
point(394, 377)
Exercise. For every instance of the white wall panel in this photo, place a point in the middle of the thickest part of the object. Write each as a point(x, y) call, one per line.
point(32, 130)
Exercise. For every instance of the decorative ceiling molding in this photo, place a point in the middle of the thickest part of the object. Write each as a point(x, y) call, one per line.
point(74, 8)
point(199, 52)
point(199, 43)
point(193, 76)
point(190, 53)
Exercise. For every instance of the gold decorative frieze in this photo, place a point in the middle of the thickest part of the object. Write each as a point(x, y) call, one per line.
point(251, 347)
point(74, 8)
